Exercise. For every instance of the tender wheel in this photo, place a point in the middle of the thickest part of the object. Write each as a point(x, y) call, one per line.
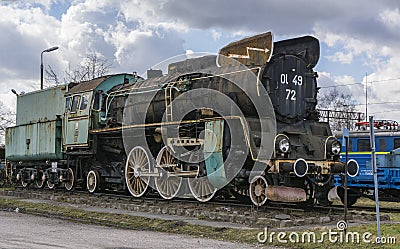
point(40, 181)
point(50, 185)
point(258, 190)
point(70, 183)
point(93, 181)
point(167, 185)
point(138, 161)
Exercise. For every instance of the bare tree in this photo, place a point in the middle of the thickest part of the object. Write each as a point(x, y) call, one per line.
point(7, 119)
point(341, 107)
point(92, 66)
point(51, 76)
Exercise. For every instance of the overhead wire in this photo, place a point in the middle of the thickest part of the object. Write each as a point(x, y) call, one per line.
point(370, 82)
point(360, 83)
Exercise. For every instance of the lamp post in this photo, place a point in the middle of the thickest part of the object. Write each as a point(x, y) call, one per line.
point(41, 64)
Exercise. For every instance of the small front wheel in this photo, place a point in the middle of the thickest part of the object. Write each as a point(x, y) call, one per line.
point(71, 180)
point(93, 181)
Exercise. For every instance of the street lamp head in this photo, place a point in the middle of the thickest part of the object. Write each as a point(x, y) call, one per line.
point(50, 49)
point(41, 64)
point(15, 92)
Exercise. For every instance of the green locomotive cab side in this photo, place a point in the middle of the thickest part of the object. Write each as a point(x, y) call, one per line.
point(85, 107)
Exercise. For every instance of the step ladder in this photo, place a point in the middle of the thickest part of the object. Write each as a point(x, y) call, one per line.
point(168, 101)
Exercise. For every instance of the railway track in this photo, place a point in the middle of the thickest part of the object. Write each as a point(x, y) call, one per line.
point(154, 199)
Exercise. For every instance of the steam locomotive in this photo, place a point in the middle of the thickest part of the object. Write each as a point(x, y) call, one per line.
point(242, 124)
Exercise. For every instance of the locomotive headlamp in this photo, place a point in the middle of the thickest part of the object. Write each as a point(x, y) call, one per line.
point(284, 145)
point(336, 147)
point(332, 146)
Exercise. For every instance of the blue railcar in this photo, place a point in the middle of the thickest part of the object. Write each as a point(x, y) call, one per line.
point(387, 145)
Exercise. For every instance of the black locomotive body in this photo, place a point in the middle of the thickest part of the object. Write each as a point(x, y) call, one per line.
point(243, 123)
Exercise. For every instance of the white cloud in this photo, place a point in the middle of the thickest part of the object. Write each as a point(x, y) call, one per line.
point(341, 57)
point(27, 35)
point(326, 80)
point(384, 89)
point(215, 34)
point(379, 49)
point(150, 15)
point(345, 79)
point(130, 33)
point(329, 38)
point(344, 84)
point(391, 17)
point(132, 43)
point(46, 4)
point(136, 34)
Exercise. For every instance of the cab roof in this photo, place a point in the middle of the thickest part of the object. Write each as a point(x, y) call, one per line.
point(104, 83)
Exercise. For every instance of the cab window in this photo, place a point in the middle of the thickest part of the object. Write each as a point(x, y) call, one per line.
point(382, 144)
point(84, 101)
point(97, 101)
point(363, 145)
point(75, 103)
point(67, 104)
point(396, 143)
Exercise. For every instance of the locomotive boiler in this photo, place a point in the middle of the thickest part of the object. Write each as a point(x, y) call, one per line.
point(242, 123)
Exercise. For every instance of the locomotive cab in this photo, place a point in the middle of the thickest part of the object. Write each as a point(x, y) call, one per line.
point(86, 107)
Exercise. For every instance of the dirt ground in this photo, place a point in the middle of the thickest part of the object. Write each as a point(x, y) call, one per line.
point(26, 231)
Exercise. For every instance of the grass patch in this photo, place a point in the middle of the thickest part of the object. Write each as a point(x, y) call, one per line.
point(365, 202)
point(7, 189)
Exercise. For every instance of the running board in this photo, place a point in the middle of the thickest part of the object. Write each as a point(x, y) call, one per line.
point(160, 173)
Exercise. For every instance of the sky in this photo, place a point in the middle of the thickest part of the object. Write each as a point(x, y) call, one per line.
point(359, 39)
